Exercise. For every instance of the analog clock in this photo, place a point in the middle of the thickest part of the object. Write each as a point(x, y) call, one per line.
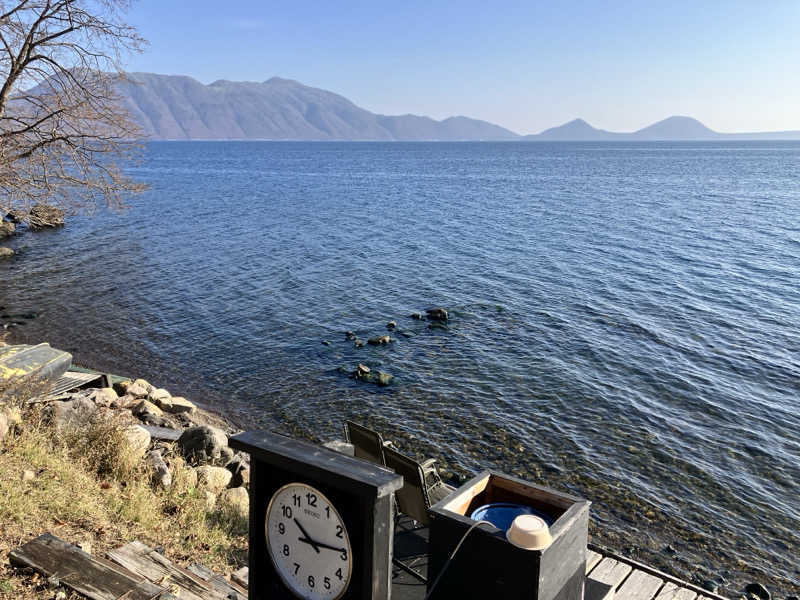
point(308, 543)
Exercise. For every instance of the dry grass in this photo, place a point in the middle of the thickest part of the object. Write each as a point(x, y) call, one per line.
point(86, 490)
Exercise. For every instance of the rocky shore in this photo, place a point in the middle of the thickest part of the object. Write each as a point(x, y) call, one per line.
point(40, 216)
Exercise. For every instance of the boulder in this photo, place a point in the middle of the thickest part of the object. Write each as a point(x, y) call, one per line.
point(178, 405)
point(437, 314)
point(145, 408)
point(44, 215)
point(121, 387)
point(213, 479)
point(240, 469)
point(103, 396)
point(236, 498)
point(138, 439)
point(17, 215)
point(202, 443)
point(161, 474)
point(211, 500)
point(6, 229)
point(137, 391)
point(156, 396)
point(758, 591)
point(70, 413)
point(6, 252)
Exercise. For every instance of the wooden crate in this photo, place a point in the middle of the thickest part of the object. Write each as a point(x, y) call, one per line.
point(487, 564)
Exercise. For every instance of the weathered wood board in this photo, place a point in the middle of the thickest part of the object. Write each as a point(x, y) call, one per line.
point(639, 586)
point(147, 563)
point(76, 570)
point(672, 591)
point(230, 590)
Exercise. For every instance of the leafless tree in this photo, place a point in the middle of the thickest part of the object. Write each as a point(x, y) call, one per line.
point(64, 135)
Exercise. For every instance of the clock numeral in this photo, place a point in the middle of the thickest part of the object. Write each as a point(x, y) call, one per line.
point(286, 550)
point(311, 581)
point(281, 528)
point(296, 499)
point(339, 532)
point(344, 554)
point(311, 499)
point(287, 511)
point(327, 583)
point(328, 511)
point(296, 568)
point(339, 574)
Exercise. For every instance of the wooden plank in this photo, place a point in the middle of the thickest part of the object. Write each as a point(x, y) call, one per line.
point(604, 579)
point(232, 591)
point(80, 572)
point(639, 586)
point(242, 577)
point(673, 591)
point(592, 558)
point(151, 565)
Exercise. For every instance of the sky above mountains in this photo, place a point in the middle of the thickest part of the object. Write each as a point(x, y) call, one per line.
point(523, 65)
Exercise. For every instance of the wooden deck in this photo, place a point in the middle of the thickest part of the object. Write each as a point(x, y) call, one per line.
point(608, 575)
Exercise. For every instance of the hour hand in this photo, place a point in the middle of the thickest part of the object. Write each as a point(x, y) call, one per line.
point(307, 539)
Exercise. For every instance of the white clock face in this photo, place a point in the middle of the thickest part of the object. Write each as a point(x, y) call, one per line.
point(308, 543)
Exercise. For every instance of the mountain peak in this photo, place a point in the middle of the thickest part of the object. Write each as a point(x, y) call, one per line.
point(676, 127)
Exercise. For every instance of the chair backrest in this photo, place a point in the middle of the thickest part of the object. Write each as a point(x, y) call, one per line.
point(412, 498)
point(367, 444)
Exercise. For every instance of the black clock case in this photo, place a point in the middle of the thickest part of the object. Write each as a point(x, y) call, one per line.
point(360, 491)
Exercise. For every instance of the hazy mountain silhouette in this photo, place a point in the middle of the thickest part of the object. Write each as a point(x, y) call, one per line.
point(670, 129)
point(179, 108)
point(176, 107)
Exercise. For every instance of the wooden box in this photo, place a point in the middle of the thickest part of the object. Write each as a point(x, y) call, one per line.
point(489, 566)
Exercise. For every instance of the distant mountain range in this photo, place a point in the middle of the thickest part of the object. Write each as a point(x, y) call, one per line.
point(176, 107)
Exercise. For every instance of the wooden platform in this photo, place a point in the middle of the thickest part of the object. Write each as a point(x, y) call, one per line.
point(608, 575)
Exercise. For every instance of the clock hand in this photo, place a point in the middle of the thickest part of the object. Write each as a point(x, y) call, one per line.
point(323, 545)
point(307, 539)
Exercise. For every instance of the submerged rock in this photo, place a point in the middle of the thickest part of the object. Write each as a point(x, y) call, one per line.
point(417, 316)
point(380, 340)
point(364, 373)
point(349, 335)
point(359, 343)
point(45, 215)
point(391, 325)
point(437, 314)
point(756, 590)
point(6, 229)
point(6, 252)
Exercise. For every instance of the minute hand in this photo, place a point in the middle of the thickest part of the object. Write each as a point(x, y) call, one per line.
point(323, 545)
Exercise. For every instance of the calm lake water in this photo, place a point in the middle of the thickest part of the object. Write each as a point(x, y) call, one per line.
point(624, 317)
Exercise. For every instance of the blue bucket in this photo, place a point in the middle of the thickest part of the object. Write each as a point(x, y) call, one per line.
point(502, 514)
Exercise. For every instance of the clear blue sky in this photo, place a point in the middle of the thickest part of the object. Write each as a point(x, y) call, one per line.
point(527, 66)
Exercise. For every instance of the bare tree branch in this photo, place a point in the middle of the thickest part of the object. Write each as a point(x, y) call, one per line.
point(64, 134)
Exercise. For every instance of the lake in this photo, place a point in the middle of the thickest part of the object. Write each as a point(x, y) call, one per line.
point(624, 317)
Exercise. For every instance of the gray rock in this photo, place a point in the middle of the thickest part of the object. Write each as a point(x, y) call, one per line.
point(757, 590)
point(202, 443)
point(213, 479)
point(178, 405)
point(138, 440)
point(6, 252)
point(391, 325)
point(417, 316)
point(44, 215)
point(158, 394)
point(137, 391)
point(211, 500)
point(236, 498)
point(379, 340)
point(103, 396)
point(437, 314)
point(161, 473)
point(70, 413)
point(6, 229)
point(145, 408)
point(3, 426)
point(240, 470)
point(349, 335)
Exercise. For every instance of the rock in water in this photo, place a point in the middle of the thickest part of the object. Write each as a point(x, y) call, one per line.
point(437, 314)
point(6, 229)
point(44, 215)
point(6, 252)
point(202, 443)
point(391, 325)
point(379, 340)
point(384, 379)
point(756, 590)
point(349, 335)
